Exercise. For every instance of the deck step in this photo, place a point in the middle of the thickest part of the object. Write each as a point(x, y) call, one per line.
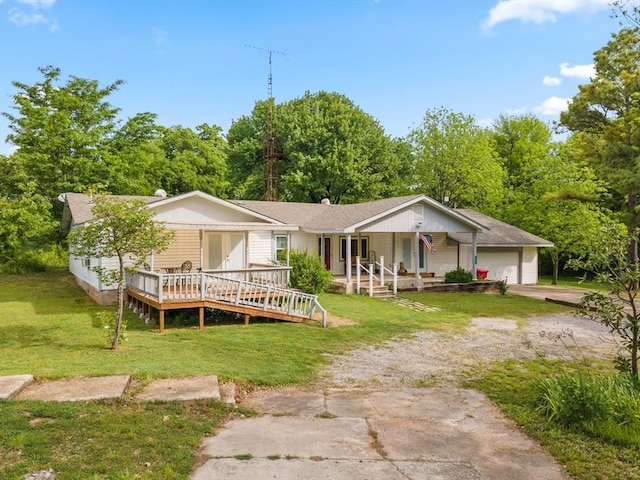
point(379, 291)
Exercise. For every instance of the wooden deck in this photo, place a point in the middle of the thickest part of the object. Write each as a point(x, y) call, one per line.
point(205, 290)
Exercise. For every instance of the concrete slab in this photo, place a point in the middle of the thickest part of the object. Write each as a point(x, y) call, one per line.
point(77, 389)
point(301, 469)
point(341, 438)
point(306, 403)
point(11, 385)
point(450, 403)
point(412, 433)
point(181, 389)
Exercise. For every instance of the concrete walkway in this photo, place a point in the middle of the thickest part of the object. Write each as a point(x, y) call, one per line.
point(403, 434)
point(111, 387)
point(568, 296)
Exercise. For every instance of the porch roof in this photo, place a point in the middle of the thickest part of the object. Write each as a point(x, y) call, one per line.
point(499, 234)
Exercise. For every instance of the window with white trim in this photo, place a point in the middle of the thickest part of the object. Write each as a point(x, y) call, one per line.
point(282, 245)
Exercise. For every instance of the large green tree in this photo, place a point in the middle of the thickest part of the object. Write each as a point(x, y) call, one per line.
point(605, 120)
point(191, 160)
point(548, 193)
point(61, 131)
point(327, 147)
point(126, 230)
point(455, 161)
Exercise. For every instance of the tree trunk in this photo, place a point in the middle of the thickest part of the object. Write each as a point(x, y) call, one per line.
point(554, 262)
point(120, 304)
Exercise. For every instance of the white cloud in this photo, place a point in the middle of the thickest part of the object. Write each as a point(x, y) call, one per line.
point(549, 81)
point(581, 71)
point(552, 106)
point(538, 11)
point(22, 19)
point(31, 14)
point(37, 4)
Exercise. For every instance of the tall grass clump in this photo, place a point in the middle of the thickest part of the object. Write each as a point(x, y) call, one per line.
point(52, 257)
point(604, 406)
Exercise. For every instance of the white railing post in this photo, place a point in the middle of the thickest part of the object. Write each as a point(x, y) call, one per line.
point(357, 275)
point(395, 278)
point(203, 286)
point(382, 270)
point(371, 279)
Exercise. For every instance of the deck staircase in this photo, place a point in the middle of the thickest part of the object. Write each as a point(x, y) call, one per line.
point(379, 291)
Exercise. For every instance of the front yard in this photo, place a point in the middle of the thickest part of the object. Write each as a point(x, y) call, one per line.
point(49, 328)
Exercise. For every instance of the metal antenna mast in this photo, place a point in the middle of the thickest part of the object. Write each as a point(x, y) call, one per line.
point(270, 151)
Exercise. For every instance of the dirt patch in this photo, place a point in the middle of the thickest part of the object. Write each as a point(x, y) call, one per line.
point(436, 359)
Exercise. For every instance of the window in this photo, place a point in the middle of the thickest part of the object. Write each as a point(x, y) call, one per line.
point(86, 262)
point(363, 252)
point(282, 245)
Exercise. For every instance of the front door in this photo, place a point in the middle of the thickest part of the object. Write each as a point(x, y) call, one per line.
point(225, 251)
point(327, 251)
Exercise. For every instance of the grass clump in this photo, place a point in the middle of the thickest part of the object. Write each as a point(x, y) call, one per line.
point(605, 406)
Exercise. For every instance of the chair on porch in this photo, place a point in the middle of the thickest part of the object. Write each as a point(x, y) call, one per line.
point(146, 266)
point(186, 267)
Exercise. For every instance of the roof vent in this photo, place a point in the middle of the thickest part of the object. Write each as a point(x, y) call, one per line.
point(160, 193)
point(325, 201)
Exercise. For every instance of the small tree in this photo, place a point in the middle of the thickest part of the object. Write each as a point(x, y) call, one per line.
point(619, 309)
point(124, 229)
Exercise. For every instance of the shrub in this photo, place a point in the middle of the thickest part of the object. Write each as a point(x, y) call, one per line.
point(38, 260)
point(459, 275)
point(308, 274)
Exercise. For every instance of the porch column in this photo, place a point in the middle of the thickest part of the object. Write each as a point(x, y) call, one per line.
point(474, 252)
point(201, 235)
point(322, 248)
point(151, 261)
point(347, 259)
point(416, 258)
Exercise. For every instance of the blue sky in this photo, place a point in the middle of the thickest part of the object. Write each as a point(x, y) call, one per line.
point(190, 61)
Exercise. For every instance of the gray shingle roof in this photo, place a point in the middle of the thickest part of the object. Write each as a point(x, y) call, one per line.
point(498, 234)
point(324, 216)
point(80, 206)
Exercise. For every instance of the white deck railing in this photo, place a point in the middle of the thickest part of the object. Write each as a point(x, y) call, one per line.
point(224, 288)
point(372, 276)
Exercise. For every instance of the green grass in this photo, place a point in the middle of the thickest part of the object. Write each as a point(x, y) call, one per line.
point(514, 387)
point(571, 282)
point(99, 440)
point(50, 328)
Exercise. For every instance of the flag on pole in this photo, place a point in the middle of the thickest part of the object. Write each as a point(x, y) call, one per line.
point(428, 242)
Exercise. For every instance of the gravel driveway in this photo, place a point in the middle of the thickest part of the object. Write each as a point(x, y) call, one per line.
point(440, 359)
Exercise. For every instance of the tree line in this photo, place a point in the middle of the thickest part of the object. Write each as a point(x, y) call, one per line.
point(69, 138)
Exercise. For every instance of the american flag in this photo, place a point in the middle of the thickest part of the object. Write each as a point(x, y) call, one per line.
point(428, 242)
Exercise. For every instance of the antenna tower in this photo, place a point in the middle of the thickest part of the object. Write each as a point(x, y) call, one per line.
point(270, 150)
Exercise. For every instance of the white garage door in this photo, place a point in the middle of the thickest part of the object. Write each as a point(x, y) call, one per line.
point(500, 263)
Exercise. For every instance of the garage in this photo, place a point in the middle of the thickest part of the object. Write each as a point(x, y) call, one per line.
point(501, 262)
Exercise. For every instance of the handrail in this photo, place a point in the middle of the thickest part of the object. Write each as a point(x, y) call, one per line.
point(393, 272)
point(370, 271)
point(208, 286)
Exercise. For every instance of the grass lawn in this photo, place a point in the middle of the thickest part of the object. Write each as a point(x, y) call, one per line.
point(571, 282)
point(50, 328)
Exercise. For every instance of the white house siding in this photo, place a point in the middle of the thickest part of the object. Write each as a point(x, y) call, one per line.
point(431, 220)
point(529, 265)
point(199, 210)
point(261, 247)
point(381, 244)
point(185, 246)
point(439, 263)
point(304, 242)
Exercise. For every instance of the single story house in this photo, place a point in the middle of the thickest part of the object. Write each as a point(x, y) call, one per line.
point(425, 236)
